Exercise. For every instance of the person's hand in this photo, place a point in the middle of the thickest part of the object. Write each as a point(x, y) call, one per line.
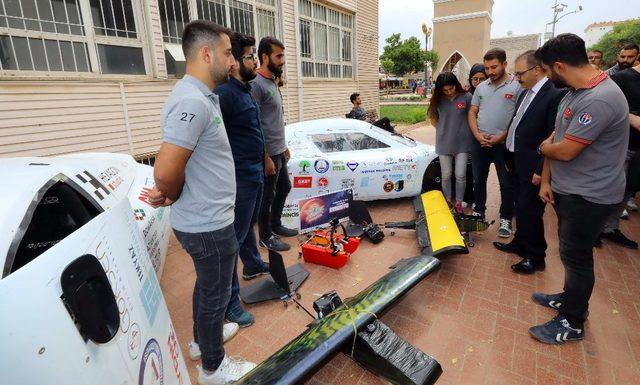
point(493, 140)
point(634, 120)
point(269, 166)
point(287, 154)
point(546, 194)
point(481, 139)
point(536, 179)
point(485, 141)
point(156, 198)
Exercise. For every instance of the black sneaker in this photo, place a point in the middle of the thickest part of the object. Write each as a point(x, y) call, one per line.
point(557, 331)
point(284, 231)
point(274, 243)
point(249, 274)
point(617, 237)
point(552, 301)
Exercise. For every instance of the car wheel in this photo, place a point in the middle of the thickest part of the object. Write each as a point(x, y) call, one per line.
point(432, 177)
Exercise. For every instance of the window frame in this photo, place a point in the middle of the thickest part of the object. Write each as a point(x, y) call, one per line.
point(256, 5)
point(328, 24)
point(92, 40)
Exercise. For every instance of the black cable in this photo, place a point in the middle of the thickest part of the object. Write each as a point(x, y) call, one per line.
point(303, 308)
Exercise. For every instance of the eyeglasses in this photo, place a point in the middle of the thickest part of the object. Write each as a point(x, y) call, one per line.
point(519, 74)
point(251, 56)
point(475, 79)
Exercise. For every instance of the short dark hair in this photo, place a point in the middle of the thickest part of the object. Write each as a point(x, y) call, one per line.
point(495, 53)
point(596, 50)
point(197, 32)
point(238, 42)
point(266, 46)
point(565, 48)
point(630, 46)
point(530, 57)
point(354, 96)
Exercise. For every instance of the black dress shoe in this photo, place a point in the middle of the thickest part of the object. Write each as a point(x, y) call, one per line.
point(528, 266)
point(507, 247)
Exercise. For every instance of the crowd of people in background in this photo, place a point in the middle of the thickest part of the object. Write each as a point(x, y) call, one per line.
point(558, 131)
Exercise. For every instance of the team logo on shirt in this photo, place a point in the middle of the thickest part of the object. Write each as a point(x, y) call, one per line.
point(461, 106)
point(567, 113)
point(585, 118)
point(508, 96)
point(217, 120)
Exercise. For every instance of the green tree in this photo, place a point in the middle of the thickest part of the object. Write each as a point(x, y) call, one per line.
point(612, 41)
point(406, 55)
point(387, 65)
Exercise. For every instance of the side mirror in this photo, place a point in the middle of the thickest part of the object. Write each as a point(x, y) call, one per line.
point(87, 294)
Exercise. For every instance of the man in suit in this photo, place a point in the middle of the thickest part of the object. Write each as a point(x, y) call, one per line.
point(532, 123)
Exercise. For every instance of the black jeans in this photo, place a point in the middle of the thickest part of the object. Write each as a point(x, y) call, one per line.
point(214, 255)
point(529, 236)
point(481, 159)
point(276, 189)
point(579, 224)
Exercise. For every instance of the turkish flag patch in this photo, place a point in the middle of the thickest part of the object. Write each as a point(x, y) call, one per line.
point(461, 106)
point(508, 96)
point(567, 113)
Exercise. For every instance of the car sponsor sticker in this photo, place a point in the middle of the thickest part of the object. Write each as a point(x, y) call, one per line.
point(323, 182)
point(151, 370)
point(321, 166)
point(302, 182)
point(388, 186)
point(304, 165)
point(352, 164)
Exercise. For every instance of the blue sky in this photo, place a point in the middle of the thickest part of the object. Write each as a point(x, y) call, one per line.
point(520, 17)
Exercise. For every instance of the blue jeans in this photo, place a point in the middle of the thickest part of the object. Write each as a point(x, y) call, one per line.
point(248, 197)
point(214, 254)
point(481, 159)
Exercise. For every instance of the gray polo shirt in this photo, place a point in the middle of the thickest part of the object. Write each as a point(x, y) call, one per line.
point(266, 93)
point(496, 103)
point(191, 119)
point(452, 131)
point(597, 116)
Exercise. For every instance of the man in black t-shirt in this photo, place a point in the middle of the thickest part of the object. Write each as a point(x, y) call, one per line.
point(629, 82)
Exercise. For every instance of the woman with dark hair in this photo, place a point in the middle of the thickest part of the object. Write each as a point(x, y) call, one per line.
point(476, 76)
point(448, 114)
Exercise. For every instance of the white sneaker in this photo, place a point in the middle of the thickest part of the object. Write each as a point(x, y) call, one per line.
point(229, 330)
point(229, 370)
point(632, 205)
point(624, 215)
point(505, 228)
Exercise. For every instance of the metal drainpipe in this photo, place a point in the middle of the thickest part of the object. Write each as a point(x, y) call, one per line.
point(296, 15)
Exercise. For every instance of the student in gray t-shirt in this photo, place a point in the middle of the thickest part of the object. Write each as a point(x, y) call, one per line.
point(264, 90)
point(492, 107)
point(194, 173)
point(448, 114)
point(583, 176)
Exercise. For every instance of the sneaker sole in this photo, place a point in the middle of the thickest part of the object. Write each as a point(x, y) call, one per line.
point(253, 276)
point(263, 246)
point(504, 235)
point(553, 342)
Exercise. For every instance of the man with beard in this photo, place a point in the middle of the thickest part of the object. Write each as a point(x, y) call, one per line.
point(242, 120)
point(583, 176)
point(595, 57)
point(532, 123)
point(266, 93)
point(626, 58)
point(492, 108)
point(194, 173)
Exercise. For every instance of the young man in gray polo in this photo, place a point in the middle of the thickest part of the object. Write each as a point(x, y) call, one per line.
point(492, 108)
point(583, 176)
point(276, 185)
point(194, 173)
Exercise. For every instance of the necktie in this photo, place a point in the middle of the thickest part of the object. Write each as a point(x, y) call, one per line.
point(511, 136)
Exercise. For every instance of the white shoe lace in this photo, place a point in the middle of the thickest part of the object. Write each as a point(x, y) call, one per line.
point(233, 366)
point(505, 224)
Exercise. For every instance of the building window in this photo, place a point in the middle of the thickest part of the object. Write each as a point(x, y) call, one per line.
point(251, 17)
point(326, 41)
point(51, 36)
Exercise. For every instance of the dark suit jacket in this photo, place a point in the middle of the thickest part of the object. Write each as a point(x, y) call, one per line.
point(535, 126)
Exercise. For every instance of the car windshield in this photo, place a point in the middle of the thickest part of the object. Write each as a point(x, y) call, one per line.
point(346, 141)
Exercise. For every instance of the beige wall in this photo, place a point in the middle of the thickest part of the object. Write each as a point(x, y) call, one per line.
point(515, 45)
point(40, 118)
point(467, 35)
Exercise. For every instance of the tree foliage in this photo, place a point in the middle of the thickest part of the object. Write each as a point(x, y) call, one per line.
point(406, 55)
point(433, 58)
point(612, 41)
point(387, 65)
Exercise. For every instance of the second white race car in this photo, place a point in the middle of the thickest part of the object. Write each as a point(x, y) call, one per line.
point(336, 154)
